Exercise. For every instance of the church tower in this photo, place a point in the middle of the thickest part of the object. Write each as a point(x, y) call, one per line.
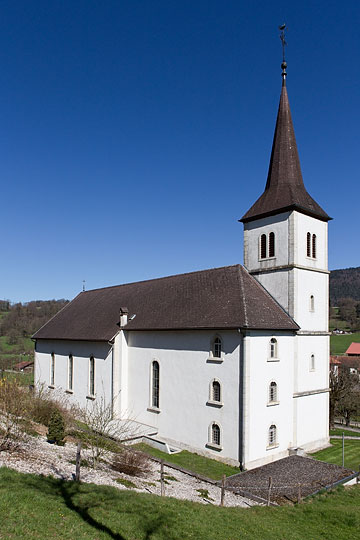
point(285, 249)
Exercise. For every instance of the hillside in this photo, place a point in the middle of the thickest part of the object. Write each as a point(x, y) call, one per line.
point(344, 283)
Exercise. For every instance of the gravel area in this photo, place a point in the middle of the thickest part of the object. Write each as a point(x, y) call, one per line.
point(288, 475)
point(39, 457)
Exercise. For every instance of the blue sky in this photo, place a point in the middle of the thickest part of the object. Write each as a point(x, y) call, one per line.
point(134, 134)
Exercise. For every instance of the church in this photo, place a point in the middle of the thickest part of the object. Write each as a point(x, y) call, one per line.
point(230, 362)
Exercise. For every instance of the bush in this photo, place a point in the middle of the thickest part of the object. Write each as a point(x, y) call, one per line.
point(12, 413)
point(131, 462)
point(56, 432)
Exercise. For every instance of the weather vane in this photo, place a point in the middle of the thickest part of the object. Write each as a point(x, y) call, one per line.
point(282, 29)
point(83, 285)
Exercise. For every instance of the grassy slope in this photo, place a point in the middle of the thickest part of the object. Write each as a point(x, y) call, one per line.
point(35, 507)
point(339, 343)
point(333, 454)
point(347, 432)
point(193, 462)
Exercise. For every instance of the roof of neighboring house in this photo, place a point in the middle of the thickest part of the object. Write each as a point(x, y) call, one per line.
point(349, 361)
point(354, 348)
point(227, 297)
point(284, 188)
point(23, 365)
point(335, 360)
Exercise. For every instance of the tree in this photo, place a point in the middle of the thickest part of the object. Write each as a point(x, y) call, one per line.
point(344, 395)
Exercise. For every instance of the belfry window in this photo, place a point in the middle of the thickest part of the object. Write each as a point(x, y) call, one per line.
point(271, 244)
point(263, 249)
point(314, 246)
point(308, 245)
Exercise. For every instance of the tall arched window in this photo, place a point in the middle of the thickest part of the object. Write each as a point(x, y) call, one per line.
point(155, 384)
point(263, 246)
point(272, 436)
point(217, 346)
point(215, 434)
point(52, 370)
point(273, 392)
point(271, 244)
point(312, 303)
point(308, 244)
point(314, 246)
point(216, 391)
point(273, 348)
point(92, 376)
point(70, 372)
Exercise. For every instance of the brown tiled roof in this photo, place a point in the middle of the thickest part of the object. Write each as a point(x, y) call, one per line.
point(227, 297)
point(284, 188)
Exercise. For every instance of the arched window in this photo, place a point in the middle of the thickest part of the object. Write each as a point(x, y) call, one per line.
point(155, 386)
point(314, 246)
point(273, 392)
point(217, 347)
point(273, 348)
point(215, 434)
point(312, 362)
point(271, 244)
point(308, 244)
point(312, 303)
point(92, 376)
point(70, 372)
point(263, 246)
point(216, 391)
point(272, 437)
point(52, 370)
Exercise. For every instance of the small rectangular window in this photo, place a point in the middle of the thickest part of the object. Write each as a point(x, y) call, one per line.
point(92, 376)
point(52, 370)
point(70, 372)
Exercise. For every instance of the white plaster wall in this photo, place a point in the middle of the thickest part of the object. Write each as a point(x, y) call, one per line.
point(185, 377)
point(81, 351)
point(305, 379)
point(302, 225)
point(277, 284)
point(312, 429)
point(261, 415)
point(252, 231)
point(308, 284)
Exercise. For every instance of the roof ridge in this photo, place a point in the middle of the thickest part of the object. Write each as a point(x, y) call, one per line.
point(159, 278)
point(243, 293)
point(57, 313)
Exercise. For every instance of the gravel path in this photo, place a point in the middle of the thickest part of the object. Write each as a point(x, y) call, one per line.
point(39, 457)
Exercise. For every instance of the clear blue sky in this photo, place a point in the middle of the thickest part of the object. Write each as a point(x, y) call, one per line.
point(134, 134)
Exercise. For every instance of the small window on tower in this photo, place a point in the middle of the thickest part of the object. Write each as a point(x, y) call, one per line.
point(271, 244)
point(263, 246)
point(312, 362)
point(273, 348)
point(312, 303)
point(314, 246)
point(308, 245)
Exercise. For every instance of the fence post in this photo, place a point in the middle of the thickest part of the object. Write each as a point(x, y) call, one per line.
point(78, 462)
point(269, 491)
point(222, 498)
point(162, 485)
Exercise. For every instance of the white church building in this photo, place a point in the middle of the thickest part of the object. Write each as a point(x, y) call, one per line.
point(230, 362)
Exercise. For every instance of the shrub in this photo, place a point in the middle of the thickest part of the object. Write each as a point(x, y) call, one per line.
point(131, 462)
point(12, 413)
point(127, 483)
point(56, 432)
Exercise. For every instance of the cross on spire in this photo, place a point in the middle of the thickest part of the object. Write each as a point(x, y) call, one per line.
point(282, 29)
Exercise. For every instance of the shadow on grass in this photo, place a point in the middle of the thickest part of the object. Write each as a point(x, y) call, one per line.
point(110, 503)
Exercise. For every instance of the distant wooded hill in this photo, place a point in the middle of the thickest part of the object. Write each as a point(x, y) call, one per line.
point(344, 284)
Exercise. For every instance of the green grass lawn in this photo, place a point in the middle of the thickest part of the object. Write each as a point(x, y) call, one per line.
point(192, 462)
point(347, 432)
point(339, 343)
point(35, 508)
point(333, 454)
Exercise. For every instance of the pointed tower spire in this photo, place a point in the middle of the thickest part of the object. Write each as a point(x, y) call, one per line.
point(284, 188)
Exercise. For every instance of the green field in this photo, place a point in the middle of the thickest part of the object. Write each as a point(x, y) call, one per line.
point(339, 343)
point(347, 432)
point(192, 462)
point(333, 454)
point(35, 507)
